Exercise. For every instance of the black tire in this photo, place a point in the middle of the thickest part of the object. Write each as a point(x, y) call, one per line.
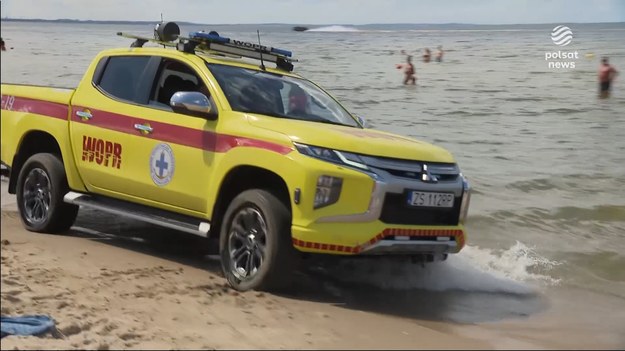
point(263, 212)
point(42, 181)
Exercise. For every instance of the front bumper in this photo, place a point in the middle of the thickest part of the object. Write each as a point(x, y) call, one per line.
point(388, 225)
point(377, 238)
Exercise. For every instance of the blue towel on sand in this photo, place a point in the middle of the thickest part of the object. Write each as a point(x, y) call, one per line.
point(25, 325)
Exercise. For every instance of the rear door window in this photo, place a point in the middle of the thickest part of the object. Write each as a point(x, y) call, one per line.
point(123, 78)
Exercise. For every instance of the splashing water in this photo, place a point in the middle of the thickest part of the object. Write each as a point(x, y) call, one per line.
point(474, 269)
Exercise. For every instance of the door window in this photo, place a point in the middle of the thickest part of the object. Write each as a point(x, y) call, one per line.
point(122, 76)
point(174, 77)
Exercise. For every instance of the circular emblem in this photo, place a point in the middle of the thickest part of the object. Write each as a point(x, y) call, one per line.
point(162, 164)
point(561, 35)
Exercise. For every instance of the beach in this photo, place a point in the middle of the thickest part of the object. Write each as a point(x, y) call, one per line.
point(107, 291)
point(543, 263)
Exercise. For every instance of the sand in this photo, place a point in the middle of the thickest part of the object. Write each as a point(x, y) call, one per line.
point(110, 289)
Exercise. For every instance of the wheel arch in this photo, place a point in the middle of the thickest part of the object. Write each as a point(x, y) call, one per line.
point(242, 178)
point(33, 142)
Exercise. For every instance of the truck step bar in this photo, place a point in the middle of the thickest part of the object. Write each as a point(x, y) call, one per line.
point(143, 213)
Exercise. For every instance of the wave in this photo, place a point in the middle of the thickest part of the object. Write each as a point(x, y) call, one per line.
point(565, 110)
point(491, 91)
point(334, 29)
point(602, 213)
point(507, 56)
point(603, 224)
point(523, 99)
point(582, 183)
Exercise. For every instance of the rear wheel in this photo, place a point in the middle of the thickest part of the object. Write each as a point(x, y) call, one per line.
point(255, 242)
point(41, 185)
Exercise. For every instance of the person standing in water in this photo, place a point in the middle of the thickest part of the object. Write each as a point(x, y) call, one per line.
point(439, 54)
point(606, 75)
point(409, 72)
point(427, 56)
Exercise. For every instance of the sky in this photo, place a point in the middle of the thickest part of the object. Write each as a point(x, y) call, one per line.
point(323, 11)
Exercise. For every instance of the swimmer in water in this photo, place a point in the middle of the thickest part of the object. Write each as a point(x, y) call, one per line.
point(439, 54)
point(427, 56)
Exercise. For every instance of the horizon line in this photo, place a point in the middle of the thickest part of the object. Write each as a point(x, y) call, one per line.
point(17, 19)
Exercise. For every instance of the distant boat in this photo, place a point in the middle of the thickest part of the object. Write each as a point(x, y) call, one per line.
point(300, 29)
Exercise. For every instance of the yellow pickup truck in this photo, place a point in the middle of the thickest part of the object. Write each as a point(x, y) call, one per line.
point(202, 137)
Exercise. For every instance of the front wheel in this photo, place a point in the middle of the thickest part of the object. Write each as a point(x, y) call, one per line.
point(41, 185)
point(255, 242)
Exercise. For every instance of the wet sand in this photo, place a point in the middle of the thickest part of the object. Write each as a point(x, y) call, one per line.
point(120, 284)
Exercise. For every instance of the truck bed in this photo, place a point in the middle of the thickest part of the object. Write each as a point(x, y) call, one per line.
point(21, 103)
point(59, 95)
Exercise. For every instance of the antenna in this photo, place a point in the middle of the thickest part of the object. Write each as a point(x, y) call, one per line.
point(262, 64)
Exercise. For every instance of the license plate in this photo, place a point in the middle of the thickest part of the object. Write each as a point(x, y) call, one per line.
point(428, 199)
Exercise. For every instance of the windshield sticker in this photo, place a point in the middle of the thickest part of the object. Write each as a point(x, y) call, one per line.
point(162, 164)
point(102, 152)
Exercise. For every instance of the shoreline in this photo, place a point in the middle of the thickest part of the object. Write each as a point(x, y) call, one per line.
point(108, 285)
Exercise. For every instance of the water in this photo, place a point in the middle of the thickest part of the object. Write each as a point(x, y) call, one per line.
point(545, 157)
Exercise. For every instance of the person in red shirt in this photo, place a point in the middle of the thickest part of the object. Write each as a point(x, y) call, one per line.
point(606, 75)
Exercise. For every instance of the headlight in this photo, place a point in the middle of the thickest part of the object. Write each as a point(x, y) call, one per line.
point(466, 197)
point(328, 191)
point(334, 156)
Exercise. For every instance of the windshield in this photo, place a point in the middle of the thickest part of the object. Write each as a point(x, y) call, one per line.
point(276, 95)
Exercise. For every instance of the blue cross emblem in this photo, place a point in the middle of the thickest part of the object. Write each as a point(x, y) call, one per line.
point(161, 165)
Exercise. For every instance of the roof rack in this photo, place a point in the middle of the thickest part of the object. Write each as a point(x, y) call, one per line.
point(213, 43)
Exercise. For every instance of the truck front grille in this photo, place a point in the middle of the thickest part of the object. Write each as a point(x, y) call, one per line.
point(396, 211)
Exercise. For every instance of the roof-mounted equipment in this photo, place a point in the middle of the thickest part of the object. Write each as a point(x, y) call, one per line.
point(168, 33)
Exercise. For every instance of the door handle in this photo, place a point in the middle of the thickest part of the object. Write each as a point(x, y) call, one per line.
point(84, 115)
point(144, 128)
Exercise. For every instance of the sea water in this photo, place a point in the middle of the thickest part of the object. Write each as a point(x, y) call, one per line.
point(544, 155)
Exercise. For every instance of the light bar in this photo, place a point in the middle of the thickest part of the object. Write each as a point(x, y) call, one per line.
point(216, 38)
point(243, 52)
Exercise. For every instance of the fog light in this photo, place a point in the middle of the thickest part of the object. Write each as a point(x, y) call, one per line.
point(466, 197)
point(328, 191)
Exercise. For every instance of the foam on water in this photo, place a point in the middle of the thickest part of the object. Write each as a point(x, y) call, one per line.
point(334, 29)
point(475, 269)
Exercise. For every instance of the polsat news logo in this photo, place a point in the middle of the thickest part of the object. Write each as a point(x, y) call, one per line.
point(561, 36)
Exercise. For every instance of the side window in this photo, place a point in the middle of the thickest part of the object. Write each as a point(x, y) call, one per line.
point(122, 75)
point(173, 77)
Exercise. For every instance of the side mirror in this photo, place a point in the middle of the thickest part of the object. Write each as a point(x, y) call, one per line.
point(362, 122)
point(193, 103)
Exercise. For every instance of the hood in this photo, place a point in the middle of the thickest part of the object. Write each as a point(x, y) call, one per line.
point(362, 141)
